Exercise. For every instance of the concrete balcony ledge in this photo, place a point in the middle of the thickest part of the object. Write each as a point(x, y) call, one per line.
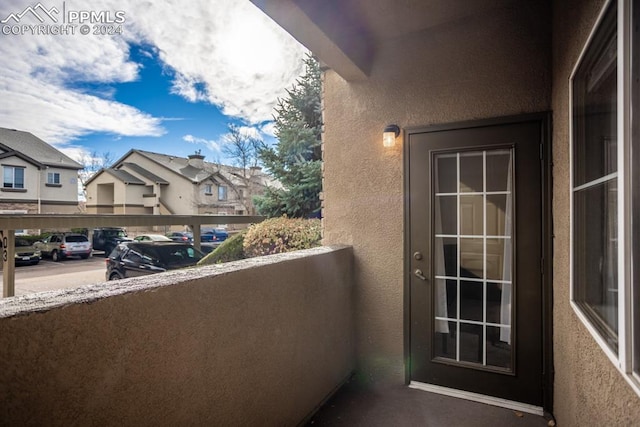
point(255, 342)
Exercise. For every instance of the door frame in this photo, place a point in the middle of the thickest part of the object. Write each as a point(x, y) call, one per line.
point(546, 266)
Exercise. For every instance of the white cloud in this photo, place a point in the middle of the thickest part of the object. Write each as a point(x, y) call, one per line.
point(225, 52)
point(268, 129)
point(210, 144)
point(37, 77)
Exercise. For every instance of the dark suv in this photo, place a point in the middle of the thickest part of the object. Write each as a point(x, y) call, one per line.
point(107, 238)
point(130, 259)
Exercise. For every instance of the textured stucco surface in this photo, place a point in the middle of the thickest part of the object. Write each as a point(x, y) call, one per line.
point(256, 342)
point(589, 391)
point(456, 72)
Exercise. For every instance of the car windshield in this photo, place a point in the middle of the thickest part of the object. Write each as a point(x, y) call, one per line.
point(78, 238)
point(22, 242)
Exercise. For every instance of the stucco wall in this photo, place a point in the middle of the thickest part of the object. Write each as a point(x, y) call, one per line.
point(256, 342)
point(68, 191)
point(454, 73)
point(588, 388)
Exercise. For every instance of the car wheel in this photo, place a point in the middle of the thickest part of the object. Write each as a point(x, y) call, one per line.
point(84, 256)
point(107, 251)
point(115, 276)
point(35, 262)
point(55, 257)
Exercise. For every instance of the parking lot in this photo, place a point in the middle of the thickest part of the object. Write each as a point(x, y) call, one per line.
point(69, 273)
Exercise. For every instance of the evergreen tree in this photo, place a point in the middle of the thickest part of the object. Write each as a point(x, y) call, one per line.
point(296, 159)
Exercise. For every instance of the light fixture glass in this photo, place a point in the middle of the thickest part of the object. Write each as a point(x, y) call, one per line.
point(389, 135)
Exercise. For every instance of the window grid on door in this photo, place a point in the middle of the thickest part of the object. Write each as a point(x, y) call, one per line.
point(457, 322)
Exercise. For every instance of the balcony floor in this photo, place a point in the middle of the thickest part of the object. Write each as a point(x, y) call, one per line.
point(354, 405)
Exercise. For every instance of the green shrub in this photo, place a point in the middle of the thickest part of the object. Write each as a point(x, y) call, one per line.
point(276, 235)
point(229, 250)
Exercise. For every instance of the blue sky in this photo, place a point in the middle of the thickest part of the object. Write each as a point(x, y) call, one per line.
point(179, 73)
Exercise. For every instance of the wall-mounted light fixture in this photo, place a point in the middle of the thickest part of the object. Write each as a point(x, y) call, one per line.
point(390, 134)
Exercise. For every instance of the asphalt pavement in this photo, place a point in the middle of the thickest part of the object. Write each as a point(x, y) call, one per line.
point(69, 273)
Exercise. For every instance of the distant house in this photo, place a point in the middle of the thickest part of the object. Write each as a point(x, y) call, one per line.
point(36, 178)
point(143, 182)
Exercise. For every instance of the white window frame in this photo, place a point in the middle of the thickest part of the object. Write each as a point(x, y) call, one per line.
point(13, 181)
point(623, 359)
point(208, 189)
point(51, 178)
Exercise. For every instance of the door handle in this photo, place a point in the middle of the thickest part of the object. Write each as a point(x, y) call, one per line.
point(419, 274)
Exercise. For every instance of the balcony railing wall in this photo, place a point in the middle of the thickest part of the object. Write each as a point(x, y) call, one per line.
point(254, 342)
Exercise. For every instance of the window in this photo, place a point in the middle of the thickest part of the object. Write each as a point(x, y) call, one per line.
point(222, 192)
point(53, 178)
point(208, 190)
point(13, 177)
point(595, 181)
point(605, 131)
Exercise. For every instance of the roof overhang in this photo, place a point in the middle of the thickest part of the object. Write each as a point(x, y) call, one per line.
point(346, 35)
point(336, 39)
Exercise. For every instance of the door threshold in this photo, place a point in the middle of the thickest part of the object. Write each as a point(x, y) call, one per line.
point(481, 398)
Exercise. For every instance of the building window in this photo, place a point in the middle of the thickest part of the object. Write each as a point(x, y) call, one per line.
point(208, 189)
point(13, 177)
point(222, 192)
point(605, 127)
point(53, 178)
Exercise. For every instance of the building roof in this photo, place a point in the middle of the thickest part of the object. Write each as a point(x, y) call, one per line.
point(142, 171)
point(36, 149)
point(124, 176)
point(200, 172)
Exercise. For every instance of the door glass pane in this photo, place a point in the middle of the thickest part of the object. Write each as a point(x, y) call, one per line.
point(498, 174)
point(471, 215)
point(447, 208)
point(499, 303)
point(496, 215)
point(446, 343)
point(471, 172)
point(471, 343)
point(446, 256)
point(498, 347)
point(473, 259)
point(446, 173)
point(471, 300)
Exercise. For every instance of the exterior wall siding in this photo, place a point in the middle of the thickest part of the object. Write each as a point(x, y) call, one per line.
point(68, 189)
point(588, 388)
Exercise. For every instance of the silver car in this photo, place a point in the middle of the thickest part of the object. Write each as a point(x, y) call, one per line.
point(60, 246)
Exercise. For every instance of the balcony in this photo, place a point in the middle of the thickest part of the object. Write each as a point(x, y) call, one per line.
point(262, 341)
point(149, 200)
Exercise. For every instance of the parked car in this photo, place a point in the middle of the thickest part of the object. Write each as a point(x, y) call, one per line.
point(130, 259)
point(26, 253)
point(152, 238)
point(60, 246)
point(214, 235)
point(107, 238)
point(180, 236)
